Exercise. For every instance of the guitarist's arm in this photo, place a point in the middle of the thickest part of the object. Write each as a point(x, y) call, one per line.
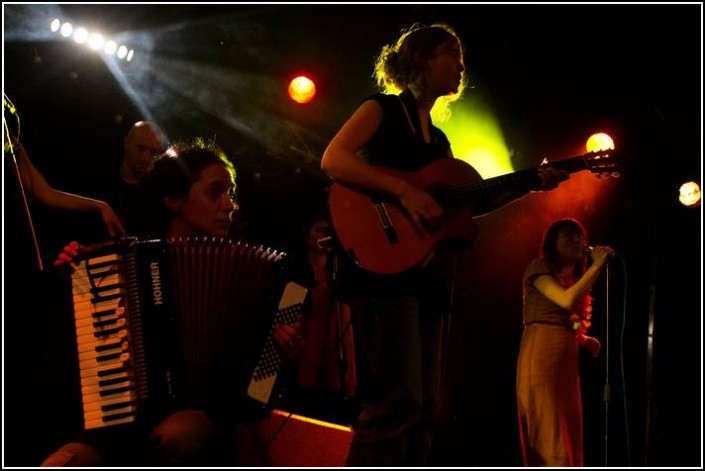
point(341, 162)
point(542, 179)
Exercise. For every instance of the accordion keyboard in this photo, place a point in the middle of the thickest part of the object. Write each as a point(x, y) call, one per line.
point(180, 319)
point(108, 383)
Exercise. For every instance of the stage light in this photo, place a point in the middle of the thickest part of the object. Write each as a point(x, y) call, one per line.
point(689, 194)
point(302, 89)
point(110, 47)
point(80, 35)
point(599, 141)
point(96, 41)
point(66, 29)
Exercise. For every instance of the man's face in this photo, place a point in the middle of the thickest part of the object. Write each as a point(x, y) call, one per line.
point(141, 148)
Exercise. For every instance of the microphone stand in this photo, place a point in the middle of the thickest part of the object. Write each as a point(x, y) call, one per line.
point(446, 333)
point(342, 361)
point(607, 393)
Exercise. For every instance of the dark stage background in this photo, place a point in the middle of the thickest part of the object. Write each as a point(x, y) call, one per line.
point(551, 74)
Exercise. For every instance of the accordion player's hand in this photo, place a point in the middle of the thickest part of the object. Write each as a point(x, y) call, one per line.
point(66, 258)
point(289, 339)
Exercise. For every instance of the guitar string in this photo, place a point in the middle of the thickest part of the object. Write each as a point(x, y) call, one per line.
point(510, 181)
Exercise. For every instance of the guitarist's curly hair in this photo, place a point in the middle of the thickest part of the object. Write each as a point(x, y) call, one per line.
point(402, 63)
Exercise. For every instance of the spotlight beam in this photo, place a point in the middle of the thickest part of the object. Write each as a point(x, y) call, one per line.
point(246, 102)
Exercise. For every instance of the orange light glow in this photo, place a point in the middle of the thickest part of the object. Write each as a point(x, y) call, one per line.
point(302, 89)
point(289, 415)
point(294, 441)
point(689, 194)
point(599, 141)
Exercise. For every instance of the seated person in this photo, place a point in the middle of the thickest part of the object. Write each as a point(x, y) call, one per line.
point(191, 191)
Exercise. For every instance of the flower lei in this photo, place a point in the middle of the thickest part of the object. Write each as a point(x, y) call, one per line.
point(582, 313)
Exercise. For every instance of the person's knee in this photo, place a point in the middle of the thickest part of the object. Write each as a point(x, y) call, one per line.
point(182, 438)
point(74, 455)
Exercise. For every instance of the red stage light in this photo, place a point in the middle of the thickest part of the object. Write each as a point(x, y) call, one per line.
point(302, 89)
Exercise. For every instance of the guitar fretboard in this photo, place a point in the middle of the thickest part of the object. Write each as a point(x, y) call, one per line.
point(522, 180)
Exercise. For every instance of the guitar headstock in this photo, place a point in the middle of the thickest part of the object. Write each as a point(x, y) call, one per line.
point(603, 163)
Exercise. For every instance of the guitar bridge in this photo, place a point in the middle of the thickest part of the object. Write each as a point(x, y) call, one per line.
point(387, 225)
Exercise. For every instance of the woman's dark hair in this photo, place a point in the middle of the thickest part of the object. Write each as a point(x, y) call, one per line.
point(549, 249)
point(173, 174)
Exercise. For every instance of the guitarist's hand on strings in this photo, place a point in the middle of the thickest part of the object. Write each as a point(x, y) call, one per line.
point(425, 212)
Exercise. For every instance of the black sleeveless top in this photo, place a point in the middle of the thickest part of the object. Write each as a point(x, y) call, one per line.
point(398, 143)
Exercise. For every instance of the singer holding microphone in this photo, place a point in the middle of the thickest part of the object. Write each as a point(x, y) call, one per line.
point(557, 311)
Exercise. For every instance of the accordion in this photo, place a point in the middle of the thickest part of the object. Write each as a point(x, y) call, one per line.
point(180, 319)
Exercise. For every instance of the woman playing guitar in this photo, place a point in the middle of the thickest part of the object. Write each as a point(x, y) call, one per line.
point(399, 317)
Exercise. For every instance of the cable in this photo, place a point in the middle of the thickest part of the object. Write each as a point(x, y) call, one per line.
point(621, 361)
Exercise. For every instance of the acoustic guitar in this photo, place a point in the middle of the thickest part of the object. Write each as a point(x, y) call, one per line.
point(380, 237)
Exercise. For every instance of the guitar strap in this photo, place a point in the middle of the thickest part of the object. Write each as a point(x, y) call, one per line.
point(408, 117)
point(408, 101)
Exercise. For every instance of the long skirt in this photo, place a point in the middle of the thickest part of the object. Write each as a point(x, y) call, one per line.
point(548, 397)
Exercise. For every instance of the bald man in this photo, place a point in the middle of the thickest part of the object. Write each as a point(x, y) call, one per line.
point(143, 143)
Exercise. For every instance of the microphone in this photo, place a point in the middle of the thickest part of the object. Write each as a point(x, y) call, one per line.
point(325, 243)
point(587, 250)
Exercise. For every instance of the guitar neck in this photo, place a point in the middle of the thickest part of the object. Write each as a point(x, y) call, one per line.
point(522, 180)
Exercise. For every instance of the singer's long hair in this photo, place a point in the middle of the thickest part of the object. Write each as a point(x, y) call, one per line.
point(549, 249)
